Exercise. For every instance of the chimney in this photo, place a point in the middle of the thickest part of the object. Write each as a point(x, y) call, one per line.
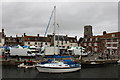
point(2, 30)
point(66, 35)
point(16, 36)
point(104, 32)
point(24, 34)
point(38, 35)
point(3, 33)
point(76, 37)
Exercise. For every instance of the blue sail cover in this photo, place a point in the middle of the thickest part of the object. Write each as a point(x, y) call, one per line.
point(1, 47)
point(25, 46)
point(7, 47)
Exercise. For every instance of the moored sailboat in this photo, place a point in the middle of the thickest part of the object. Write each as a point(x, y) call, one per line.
point(54, 66)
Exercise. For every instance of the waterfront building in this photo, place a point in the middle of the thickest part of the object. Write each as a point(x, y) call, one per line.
point(111, 42)
point(64, 41)
point(73, 41)
point(61, 40)
point(106, 43)
point(92, 44)
point(36, 41)
point(14, 41)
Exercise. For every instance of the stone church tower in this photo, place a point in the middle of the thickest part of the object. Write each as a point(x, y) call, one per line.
point(88, 31)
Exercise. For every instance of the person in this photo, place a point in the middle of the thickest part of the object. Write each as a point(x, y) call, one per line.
point(5, 56)
point(107, 56)
point(25, 62)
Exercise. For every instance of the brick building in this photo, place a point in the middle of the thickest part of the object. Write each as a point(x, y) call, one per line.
point(64, 41)
point(106, 43)
point(111, 42)
point(36, 40)
point(13, 41)
point(61, 40)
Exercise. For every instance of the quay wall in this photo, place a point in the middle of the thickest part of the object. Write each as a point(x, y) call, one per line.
point(14, 62)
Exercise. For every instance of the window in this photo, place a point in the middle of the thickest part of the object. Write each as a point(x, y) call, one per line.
point(96, 49)
point(73, 40)
point(95, 44)
point(41, 44)
point(28, 42)
point(106, 45)
point(0, 40)
point(35, 38)
point(86, 29)
point(62, 43)
point(35, 43)
point(113, 35)
point(67, 47)
point(89, 44)
point(85, 44)
point(38, 43)
point(90, 39)
point(21, 39)
point(66, 42)
point(46, 43)
point(96, 39)
point(58, 42)
point(28, 38)
point(114, 45)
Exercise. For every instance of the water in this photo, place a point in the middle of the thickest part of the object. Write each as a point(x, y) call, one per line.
point(108, 71)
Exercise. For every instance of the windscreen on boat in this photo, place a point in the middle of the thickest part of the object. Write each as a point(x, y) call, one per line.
point(68, 61)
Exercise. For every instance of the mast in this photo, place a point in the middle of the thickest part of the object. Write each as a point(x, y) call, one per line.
point(58, 39)
point(54, 26)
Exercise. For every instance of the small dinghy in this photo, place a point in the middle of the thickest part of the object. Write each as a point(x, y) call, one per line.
point(118, 61)
point(26, 66)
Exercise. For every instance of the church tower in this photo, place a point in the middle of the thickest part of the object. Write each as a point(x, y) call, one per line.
point(88, 31)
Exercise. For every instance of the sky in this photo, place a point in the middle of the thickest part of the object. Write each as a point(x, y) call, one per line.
point(32, 17)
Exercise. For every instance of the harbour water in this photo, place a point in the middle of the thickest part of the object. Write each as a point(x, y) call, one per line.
point(105, 71)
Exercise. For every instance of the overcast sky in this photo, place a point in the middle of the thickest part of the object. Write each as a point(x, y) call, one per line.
point(32, 17)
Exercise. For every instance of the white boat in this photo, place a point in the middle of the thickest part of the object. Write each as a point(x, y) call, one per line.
point(118, 61)
point(57, 67)
point(93, 63)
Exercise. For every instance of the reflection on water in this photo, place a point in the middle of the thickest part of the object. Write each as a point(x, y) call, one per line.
point(109, 71)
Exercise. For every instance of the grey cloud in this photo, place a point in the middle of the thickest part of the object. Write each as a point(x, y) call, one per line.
point(32, 17)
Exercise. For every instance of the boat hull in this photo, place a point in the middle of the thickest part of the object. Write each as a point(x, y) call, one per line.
point(118, 61)
point(57, 70)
